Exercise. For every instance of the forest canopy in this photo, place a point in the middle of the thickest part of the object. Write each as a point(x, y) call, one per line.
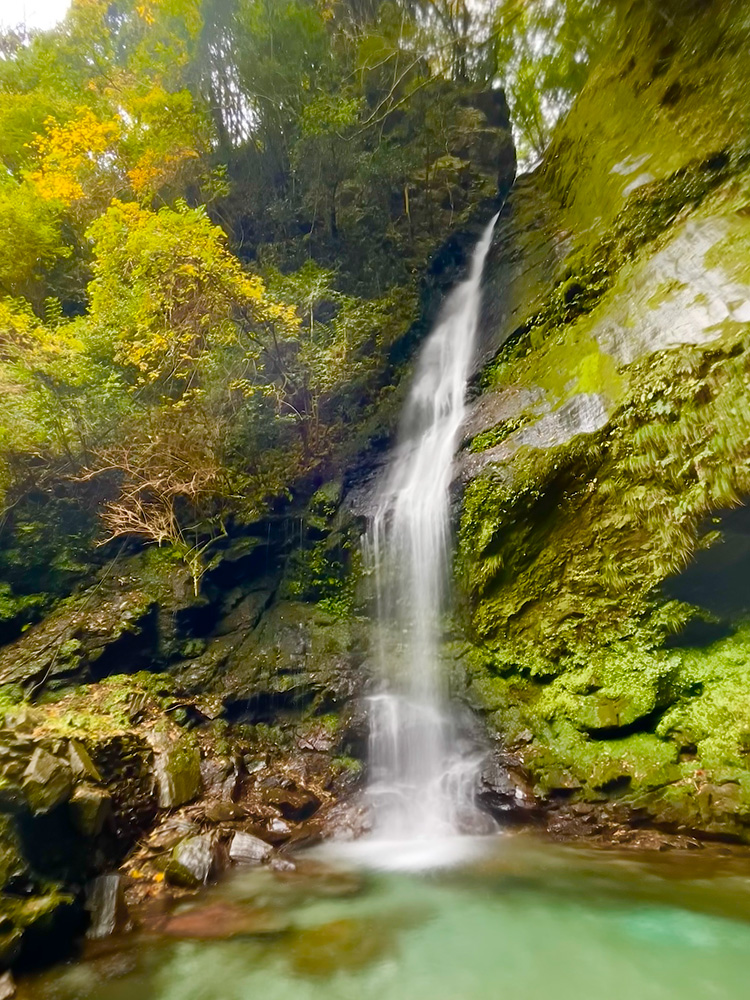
point(214, 216)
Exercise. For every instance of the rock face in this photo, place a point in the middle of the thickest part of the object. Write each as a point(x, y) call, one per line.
point(106, 905)
point(609, 437)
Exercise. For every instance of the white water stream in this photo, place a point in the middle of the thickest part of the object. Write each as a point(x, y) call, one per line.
point(421, 785)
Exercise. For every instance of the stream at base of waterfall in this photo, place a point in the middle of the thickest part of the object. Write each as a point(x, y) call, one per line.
point(423, 775)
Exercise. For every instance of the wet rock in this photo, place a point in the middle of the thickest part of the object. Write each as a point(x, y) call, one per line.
point(504, 790)
point(193, 862)
point(225, 812)
point(294, 804)
point(12, 862)
point(220, 777)
point(47, 781)
point(90, 809)
point(307, 833)
point(585, 413)
point(177, 769)
point(80, 762)
point(105, 902)
point(224, 920)
point(279, 864)
point(278, 830)
point(346, 820)
point(318, 737)
point(249, 850)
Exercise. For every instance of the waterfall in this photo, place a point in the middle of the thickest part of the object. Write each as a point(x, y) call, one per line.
point(421, 785)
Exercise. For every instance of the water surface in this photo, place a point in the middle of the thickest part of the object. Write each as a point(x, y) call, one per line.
point(526, 920)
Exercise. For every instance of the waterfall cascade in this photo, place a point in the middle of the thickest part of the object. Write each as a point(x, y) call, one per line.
point(421, 785)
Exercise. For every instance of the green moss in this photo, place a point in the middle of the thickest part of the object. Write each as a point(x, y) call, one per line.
point(664, 731)
point(17, 611)
point(11, 695)
point(324, 505)
point(344, 765)
point(732, 254)
point(679, 73)
point(571, 760)
point(566, 364)
point(108, 708)
point(496, 435)
point(325, 571)
point(568, 544)
point(613, 689)
point(555, 348)
point(39, 910)
point(177, 766)
point(563, 550)
point(714, 713)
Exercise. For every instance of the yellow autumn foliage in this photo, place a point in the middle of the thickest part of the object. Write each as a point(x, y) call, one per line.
point(171, 293)
point(75, 158)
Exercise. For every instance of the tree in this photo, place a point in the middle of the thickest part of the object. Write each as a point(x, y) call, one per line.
point(543, 52)
point(190, 332)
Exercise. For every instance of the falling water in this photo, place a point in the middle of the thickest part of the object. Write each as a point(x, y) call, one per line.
point(422, 786)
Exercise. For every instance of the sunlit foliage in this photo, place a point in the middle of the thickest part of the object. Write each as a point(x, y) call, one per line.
point(214, 217)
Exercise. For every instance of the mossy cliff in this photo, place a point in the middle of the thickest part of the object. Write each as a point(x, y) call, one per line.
point(602, 544)
point(138, 715)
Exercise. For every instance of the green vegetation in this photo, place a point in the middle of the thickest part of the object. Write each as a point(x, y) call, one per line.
point(605, 684)
point(229, 220)
point(220, 216)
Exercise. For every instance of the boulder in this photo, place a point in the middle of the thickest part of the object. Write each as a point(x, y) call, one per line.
point(90, 809)
point(80, 762)
point(504, 790)
point(177, 766)
point(47, 781)
point(249, 850)
point(220, 777)
point(193, 862)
